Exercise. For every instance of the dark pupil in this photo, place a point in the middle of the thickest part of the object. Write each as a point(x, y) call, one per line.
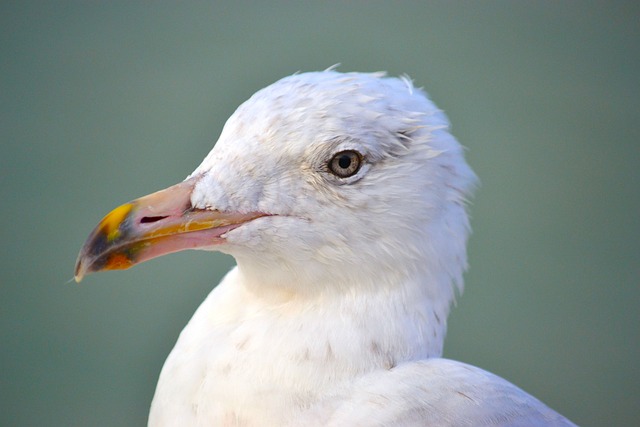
point(344, 161)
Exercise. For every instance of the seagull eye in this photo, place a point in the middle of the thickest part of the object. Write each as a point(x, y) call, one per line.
point(345, 163)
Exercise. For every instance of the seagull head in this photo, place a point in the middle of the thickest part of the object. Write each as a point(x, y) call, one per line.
point(320, 181)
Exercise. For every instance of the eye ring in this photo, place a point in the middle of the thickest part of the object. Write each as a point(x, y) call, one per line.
point(345, 163)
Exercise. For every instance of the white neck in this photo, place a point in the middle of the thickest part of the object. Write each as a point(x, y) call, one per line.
point(255, 352)
point(352, 317)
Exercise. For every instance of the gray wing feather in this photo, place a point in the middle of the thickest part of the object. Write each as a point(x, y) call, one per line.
point(433, 392)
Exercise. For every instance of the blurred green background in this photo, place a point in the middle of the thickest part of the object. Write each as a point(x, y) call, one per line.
point(104, 102)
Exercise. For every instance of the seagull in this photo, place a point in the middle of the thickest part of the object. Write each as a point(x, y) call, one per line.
point(343, 199)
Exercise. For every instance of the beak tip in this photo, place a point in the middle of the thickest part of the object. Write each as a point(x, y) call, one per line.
point(79, 271)
point(78, 276)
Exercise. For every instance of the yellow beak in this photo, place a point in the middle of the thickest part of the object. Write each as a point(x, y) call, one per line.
point(154, 225)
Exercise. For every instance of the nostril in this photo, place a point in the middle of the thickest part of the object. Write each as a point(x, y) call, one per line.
point(150, 219)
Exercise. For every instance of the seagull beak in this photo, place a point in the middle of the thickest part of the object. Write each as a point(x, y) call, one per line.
point(151, 226)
